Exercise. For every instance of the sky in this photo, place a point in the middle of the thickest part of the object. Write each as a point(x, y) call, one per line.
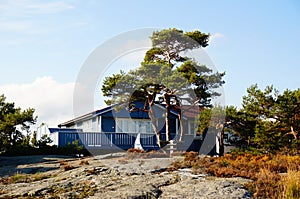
point(45, 44)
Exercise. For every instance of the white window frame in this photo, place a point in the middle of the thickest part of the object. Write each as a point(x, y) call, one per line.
point(192, 128)
point(126, 125)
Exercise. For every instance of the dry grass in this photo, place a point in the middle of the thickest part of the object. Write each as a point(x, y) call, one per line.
point(137, 153)
point(290, 184)
point(84, 162)
point(67, 167)
point(265, 170)
point(84, 189)
point(133, 150)
point(25, 178)
point(92, 171)
point(265, 184)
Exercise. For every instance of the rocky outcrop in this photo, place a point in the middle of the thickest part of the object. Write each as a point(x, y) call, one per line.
point(122, 178)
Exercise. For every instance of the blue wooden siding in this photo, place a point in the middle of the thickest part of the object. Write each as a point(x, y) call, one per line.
point(108, 124)
point(65, 138)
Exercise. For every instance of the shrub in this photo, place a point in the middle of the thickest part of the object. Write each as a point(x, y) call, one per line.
point(137, 153)
point(266, 184)
point(44, 141)
point(84, 162)
point(133, 150)
point(264, 169)
point(74, 148)
point(20, 150)
point(92, 171)
point(290, 184)
point(68, 167)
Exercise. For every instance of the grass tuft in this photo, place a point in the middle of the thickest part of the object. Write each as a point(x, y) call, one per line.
point(84, 162)
point(67, 167)
point(290, 184)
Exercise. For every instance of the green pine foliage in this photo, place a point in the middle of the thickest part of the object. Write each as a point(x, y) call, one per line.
point(267, 120)
point(14, 125)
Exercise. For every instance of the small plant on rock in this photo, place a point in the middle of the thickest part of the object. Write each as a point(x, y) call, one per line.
point(84, 162)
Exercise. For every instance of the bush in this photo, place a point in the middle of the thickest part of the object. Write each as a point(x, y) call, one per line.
point(137, 153)
point(70, 149)
point(67, 167)
point(133, 150)
point(44, 141)
point(84, 162)
point(266, 171)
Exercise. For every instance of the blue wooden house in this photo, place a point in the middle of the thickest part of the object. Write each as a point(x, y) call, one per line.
point(116, 127)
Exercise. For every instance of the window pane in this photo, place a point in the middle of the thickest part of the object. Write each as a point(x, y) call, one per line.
point(125, 125)
point(120, 122)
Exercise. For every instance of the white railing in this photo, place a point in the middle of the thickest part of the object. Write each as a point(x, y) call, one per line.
point(100, 139)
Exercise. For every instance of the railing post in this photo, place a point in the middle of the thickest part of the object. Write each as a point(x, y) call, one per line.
point(172, 148)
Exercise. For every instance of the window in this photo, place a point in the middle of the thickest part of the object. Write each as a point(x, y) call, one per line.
point(87, 124)
point(79, 125)
point(120, 126)
point(125, 125)
point(192, 128)
point(134, 126)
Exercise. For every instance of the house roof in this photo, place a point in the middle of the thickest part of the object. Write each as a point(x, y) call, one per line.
point(86, 116)
point(52, 130)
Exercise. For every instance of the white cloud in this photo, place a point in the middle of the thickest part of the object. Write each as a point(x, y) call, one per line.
point(15, 26)
point(52, 100)
point(29, 7)
point(25, 16)
point(48, 8)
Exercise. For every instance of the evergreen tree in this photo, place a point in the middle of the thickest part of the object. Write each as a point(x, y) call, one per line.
point(166, 76)
point(267, 120)
point(14, 124)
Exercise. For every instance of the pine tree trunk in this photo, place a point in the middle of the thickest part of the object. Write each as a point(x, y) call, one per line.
point(180, 126)
point(168, 110)
point(150, 102)
point(154, 126)
point(168, 136)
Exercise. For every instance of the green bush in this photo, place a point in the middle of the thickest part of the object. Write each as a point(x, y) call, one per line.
point(45, 150)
